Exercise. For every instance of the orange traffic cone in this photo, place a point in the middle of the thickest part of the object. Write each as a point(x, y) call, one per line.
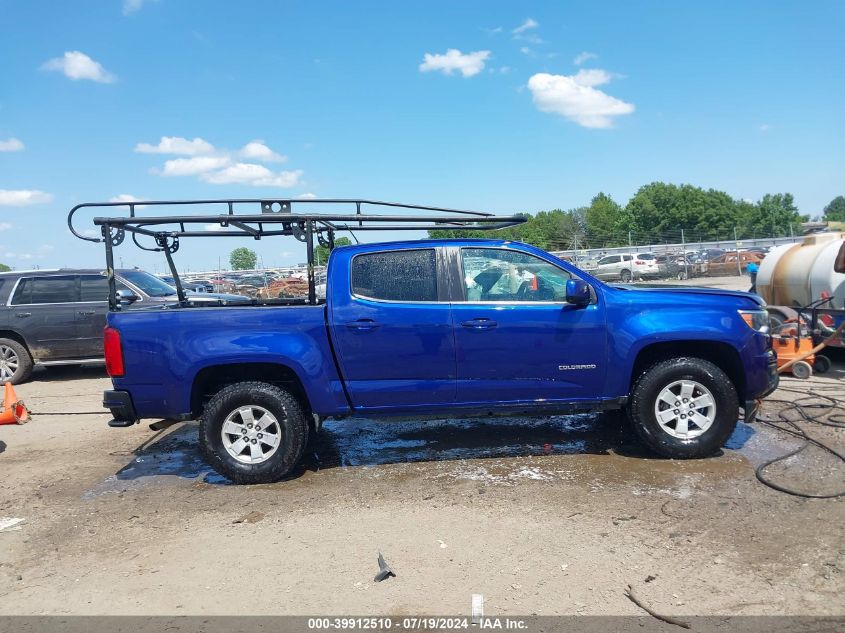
point(14, 410)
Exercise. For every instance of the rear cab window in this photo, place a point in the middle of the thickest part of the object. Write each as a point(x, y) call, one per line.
point(406, 276)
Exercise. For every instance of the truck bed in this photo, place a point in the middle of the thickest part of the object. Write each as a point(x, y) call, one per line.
point(164, 350)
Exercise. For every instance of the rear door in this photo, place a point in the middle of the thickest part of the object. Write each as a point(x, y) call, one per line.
point(516, 337)
point(44, 312)
point(392, 329)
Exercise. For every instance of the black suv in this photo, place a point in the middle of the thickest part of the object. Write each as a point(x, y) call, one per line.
point(56, 317)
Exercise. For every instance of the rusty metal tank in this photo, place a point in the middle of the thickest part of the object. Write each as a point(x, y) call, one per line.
point(797, 274)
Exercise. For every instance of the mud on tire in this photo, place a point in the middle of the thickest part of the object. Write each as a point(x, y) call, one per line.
point(684, 371)
point(290, 423)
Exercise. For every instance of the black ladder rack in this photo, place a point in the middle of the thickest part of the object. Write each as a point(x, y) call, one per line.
point(274, 217)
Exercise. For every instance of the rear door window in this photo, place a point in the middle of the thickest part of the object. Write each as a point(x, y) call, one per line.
point(33, 290)
point(396, 275)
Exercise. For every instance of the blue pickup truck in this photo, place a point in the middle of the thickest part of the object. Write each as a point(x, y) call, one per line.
point(445, 328)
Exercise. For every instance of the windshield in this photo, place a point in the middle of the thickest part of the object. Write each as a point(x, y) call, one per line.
point(148, 284)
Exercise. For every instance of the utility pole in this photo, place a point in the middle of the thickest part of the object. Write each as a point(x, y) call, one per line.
point(738, 259)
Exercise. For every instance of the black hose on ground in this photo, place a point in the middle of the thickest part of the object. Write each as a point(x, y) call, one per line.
point(816, 406)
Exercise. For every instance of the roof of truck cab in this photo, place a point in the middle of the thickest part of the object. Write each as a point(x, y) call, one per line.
point(434, 241)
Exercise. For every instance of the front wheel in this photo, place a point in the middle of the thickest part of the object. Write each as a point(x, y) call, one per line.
point(253, 432)
point(625, 275)
point(684, 408)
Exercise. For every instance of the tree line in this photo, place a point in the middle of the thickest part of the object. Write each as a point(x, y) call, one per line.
point(659, 213)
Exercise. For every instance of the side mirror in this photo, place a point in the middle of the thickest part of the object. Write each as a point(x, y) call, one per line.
point(578, 292)
point(126, 296)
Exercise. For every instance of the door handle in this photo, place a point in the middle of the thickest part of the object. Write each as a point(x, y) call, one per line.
point(23, 315)
point(363, 325)
point(86, 313)
point(479, 324)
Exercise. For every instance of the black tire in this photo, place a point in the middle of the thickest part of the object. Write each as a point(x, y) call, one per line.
point(647, 390)
point(291, 419)
point(625, 276)
point(11, 349)
point(683, 275)
point(821, 365)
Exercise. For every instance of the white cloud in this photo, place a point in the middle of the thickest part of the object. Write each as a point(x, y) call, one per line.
point(23, 197)
point(176, 145)
point(468, 64)
point(123, 197)
point(76, 65)
point(193, 166)
point(127, 197)
point(592, 77)
point(11, 145)
point(216, 227)
point(525, 26)
point(765, 127)
point(254, 175)
point(493, 31)
point(257, 150)
point(307, 196)
point(575, 98)
point(526, 51)
point(131, 6)
point(220, 167)
point(582, 57)
point(5, 226)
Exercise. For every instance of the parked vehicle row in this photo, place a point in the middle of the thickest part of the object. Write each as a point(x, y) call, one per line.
point(625, 267)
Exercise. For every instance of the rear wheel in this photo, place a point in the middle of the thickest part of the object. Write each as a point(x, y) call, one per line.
point(684, 408)
point(253, 432)
point(15, 362)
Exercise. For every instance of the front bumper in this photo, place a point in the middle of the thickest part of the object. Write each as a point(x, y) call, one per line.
point(121, 407)
point(752, 407)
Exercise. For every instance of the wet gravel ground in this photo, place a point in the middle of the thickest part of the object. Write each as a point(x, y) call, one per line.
point(555, 515)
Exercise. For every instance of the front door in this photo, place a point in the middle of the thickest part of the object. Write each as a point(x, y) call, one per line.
point(91, 314)
point(516, 337)
point(393, 331)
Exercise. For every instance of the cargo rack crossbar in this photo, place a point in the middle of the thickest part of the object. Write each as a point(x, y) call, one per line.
point(274, 217)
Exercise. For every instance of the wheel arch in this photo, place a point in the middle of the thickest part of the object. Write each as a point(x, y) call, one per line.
point(15, 336)
point(209, 380)
point(721, 354)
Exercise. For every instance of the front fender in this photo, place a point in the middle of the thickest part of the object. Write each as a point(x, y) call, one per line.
point(633, 328)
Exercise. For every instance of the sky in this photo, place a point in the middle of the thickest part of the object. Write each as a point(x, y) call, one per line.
point(499, 106)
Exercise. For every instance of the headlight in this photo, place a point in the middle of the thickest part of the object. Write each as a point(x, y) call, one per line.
point(756, 319)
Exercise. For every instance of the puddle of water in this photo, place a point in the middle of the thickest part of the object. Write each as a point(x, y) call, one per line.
point(362, 442)
point(759, 444)
point(175, 455)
